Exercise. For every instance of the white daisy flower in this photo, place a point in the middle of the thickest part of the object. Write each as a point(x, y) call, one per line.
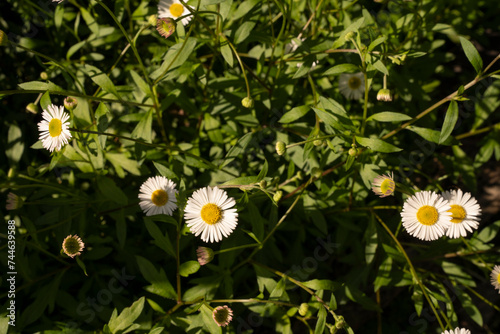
point(457, 331)
point(174, 9)
point(157, 196)
point(464, 213)
point(352, 86)
point(73, 245)
point(383, 185)
point(54, 132)
point(208, 212)
point(495, 278)
point(426, 215)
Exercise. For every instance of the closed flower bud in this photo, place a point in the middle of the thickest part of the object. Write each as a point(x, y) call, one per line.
point(353, 152)
point(304, 307)
point(300, 175)
point(70, 103)
point(247, 102)
point(277, 196)
point(44, 76)
point(263, 184)
point(316, 172)
point(280, 148)
point(205, 255)
point(152, 19)
point(318, 142)
point(32, 108)
point(340, 323)
point(350, 35)
point(4, 40)
point(384, 95)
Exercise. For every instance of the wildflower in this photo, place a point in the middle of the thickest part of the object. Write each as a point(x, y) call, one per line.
point(277, 195)
point(165, 26)
point(464, 213)
point(280, 148)
point(173, 9)
point(384, 185)
point(247, 102)
point(426, 215)
point(205, 255)
point(352, 86)
point(384, 95)
point(350, 35)
point(13, 202)
point(208, 212)
point(222, 315)
point(54, 132)
point(72, 245)
point(32, 108)
point(495, 277)
point(58, 1)
point(304, 307)
point(44, 76)
point(157, 195)
point(70, 103)
point(457, 331)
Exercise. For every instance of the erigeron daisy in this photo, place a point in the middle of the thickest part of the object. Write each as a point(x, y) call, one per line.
point(72, 245)
point(205, 255)
point(384, 185)
point(54, 129)
point(208, 212)
point(495, 277)
point(464, 212)
point(157, 195)
point(165, 26)
point(457, 331)
point(352, 86)
point(222, 315)
point(426, 215)
point(13, 202)
point(174, 9)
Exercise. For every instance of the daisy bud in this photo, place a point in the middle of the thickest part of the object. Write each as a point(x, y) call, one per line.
point(44, 76)
point(222, 315)
point(340, 323)
point(280, 148)
point(353, 152)
point(70, 103)
point(205, 255)
point(32, 108)
point(13, 202)
point(72, 245)
point(4, 40)
point(300, 175)
point(263, 184)
point(152, 19)
point(165, 26)
point(304, 307)
point(316, 172)
point(350, 35)
point(318, 142)
point(247, 102)
point(384, 95)
point(277, 196)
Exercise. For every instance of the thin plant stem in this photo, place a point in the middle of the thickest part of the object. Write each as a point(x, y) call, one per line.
point(239, 61)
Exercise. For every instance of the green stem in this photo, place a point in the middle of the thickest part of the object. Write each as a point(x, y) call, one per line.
point(239, 61)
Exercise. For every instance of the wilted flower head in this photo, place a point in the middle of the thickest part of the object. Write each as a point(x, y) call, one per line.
point(222, 315)
point(205, 255)
point(13, 202)
point(73, 245)
point(384, 95)
point(384, 185)
point(165, 26)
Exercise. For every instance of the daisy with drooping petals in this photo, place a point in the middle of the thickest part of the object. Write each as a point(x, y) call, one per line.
point(157, 195)
point(352, 86)
point(174, 9)
point(464, 213)
point(495, 277)
point(383, 185)
point(426, 215)
point(72, 245)
point(457, 331)
point(13, 202)
point(54, 132)
point(205, 255)
point(222, 315)
point(208, 212)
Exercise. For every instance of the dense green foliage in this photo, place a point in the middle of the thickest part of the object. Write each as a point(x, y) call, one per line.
point(310, 230)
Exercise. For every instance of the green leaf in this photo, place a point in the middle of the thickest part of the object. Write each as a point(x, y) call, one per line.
point(458, 274)
point(111, 191)
point(164, 171)
point(322, 284)
point(159, 283)
point(160, 240)
point(263, 171)
point(140, 83)
point(329, 119)
point(175, 57)
point(294, 114)
point(81, 265)
point(15, 144)
point(242, 180)
point(377, 145)
point(144, 129)
point(226, 52)
point(353, 27)
point(342, 68)
point(127, 317)
point(388, 116)
point(243, 31)
point(383, 274)
point(381, 67)
point(244, 8)
point(469, 306)
point(376, 42)
point(188, 268)
point(449, 121)
point(489, 232)
point(472, 54)
point(320, 324)
point(237, 149)
point(100, 79)
point(119, 160)
point(431, 135)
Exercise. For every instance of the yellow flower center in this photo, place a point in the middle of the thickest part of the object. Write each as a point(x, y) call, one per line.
point(211, 213)
point(427, 215)
point(498, 278)
point(387, 186)
point(354, 83)
point(159, 197)
point(457, 213)
point(55, 127)
point(176, 10)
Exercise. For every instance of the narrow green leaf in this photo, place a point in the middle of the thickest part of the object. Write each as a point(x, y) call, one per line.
point(100, 79)
point(322, 284)
point(237, 149)
point(388, 116)
point(144, 128)
point(15, 146)
point(431, 135)
point(376, 42)
point(263, 171)
point(381, 67)
point(172, 60)
point(188, 268)
point(449, 121)
point(226, 52)
point(243, 180)
point(320, 325)
point(127, 316)
point(377, 145)
point(81, 265)
point(342, 68)
point(164, 171)
point(353, 27)
point(243, 31)
point(469, 306)
point(472, 54)
point(458, 274)
point(111, 191)
point(294, 114)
